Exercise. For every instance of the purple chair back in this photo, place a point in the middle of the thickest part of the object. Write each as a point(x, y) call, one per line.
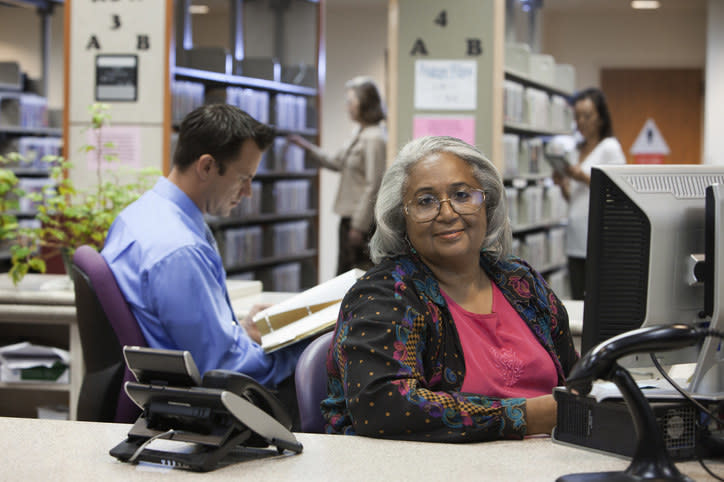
point(310, 378)
point(106, 325)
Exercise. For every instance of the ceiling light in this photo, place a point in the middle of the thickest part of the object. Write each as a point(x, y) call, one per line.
point(198, 9)
point(645, 4)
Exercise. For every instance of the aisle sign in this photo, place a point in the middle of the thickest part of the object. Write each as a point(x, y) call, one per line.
point(650, 146)
point(446, 84)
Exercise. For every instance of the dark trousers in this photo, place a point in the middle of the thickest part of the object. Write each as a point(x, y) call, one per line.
point(577, 277)
point(352, 256)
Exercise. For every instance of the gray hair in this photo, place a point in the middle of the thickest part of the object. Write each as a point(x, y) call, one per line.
point(389, 237)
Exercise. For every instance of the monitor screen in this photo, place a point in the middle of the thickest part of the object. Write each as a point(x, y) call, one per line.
point(646, 224)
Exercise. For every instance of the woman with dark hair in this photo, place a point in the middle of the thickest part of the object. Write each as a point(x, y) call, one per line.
point(597, 146)
point(449, 337)
point(362, 162)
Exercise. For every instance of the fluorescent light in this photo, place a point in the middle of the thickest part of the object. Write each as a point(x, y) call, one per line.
point(198, 9)
point(645, 4)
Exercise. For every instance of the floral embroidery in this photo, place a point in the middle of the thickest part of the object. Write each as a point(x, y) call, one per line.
point(508, 364)
point(520, 286)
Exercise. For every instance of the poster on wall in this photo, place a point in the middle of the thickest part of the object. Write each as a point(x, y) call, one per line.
point(462, 127)
point(446, 84)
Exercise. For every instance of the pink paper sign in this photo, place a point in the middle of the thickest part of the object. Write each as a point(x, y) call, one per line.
point(462, 127)
point(126, 146)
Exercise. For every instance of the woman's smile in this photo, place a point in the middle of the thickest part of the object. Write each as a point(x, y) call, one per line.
point(451, 234)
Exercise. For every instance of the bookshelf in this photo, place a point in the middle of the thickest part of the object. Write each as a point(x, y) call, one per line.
point(272, 237)
point(517, 102)
point(27, 125)
point(535, 108)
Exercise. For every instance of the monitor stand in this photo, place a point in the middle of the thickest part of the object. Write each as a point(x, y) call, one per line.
point(708, 379)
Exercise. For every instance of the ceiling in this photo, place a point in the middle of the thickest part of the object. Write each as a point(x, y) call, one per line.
point(559, 5)
point(548, 5)
point(619, 5)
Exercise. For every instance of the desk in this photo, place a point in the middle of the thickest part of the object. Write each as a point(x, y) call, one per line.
point(41, 302)
point(40, 449)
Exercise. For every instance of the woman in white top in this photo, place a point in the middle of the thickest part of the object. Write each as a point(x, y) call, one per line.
point(598, 146)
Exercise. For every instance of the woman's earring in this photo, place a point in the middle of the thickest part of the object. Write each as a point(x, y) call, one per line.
point(409, 244)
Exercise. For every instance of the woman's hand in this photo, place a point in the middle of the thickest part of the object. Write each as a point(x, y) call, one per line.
point(300, 141)
point(575, 172)
point(541, 414)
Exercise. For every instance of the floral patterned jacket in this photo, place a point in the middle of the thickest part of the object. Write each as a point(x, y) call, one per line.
point(396, 365)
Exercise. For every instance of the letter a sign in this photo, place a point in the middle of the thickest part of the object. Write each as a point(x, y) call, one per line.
point(650, 146)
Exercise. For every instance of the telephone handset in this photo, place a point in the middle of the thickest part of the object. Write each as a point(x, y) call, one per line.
point(248, 388)
point(215, 413)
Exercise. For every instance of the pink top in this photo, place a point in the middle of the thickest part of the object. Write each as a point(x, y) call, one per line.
point(502, 356)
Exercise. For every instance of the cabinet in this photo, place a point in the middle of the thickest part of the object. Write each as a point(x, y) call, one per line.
point(535, 109)
point(272, 236)
point(40, 310)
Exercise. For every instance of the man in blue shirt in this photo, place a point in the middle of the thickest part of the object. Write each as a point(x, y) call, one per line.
point(166, 261)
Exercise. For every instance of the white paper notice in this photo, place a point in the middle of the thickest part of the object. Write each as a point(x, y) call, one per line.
point(446, 84)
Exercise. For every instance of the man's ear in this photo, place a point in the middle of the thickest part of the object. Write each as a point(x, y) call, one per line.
point(204, 166)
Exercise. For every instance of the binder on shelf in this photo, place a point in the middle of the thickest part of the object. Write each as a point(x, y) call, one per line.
point(307, 314)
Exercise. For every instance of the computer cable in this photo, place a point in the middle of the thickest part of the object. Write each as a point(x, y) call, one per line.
point(693, 401)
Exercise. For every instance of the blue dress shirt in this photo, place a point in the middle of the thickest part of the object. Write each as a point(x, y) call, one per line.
point(174, 281)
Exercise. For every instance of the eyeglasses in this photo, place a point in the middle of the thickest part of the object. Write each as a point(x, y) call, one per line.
point(426, 207)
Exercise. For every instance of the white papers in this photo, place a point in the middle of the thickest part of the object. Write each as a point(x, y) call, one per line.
point(305, 314)
point(446, 84)
point(654, 388)
point(332, 290)
point(22, 356)
point(240, 288)
point(313, 324)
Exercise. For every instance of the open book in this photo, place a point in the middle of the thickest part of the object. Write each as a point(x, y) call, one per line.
point(306, 314)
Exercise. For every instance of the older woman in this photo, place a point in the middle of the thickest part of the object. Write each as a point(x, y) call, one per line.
point(448, 338)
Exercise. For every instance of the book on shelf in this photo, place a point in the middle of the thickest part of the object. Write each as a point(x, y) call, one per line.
point(304, 315)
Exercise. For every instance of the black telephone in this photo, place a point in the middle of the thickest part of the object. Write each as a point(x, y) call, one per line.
point(651, 460)
point(216, 413)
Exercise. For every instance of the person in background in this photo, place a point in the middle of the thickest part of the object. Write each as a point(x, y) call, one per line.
point(449, 338)
point(166, 262)
point(598, 146)
point(362, 162)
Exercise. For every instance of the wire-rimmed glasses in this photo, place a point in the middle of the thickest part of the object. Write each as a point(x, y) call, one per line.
point(426, 207)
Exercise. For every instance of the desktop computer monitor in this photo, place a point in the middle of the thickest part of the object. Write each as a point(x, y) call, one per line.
point(646, 225)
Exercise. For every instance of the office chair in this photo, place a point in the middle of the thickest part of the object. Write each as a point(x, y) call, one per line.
point(106, 324)
point(310, 378)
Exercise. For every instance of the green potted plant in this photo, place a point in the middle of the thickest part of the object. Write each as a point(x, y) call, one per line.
point(69, 217)
point(9, 204)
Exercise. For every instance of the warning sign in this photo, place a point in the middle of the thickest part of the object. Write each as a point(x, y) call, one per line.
point(650, 146)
